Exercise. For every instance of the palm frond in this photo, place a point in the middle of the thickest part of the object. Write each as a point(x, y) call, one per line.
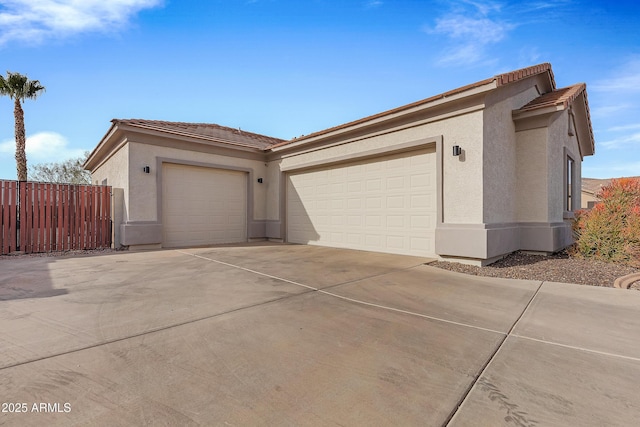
point(18, 86)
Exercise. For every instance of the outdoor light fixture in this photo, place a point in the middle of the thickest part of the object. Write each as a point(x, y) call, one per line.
point(260, 180)
point(146, 169)
point(457, 150)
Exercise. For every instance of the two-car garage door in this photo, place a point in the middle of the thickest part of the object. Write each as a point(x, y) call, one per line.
point(203, 206)
point(384, 204)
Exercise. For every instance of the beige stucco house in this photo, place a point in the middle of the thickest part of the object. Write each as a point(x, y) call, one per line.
point(589, 190)
point(591, 187)
point(471, 175)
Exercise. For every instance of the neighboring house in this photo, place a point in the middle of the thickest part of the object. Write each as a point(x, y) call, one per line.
point(590, 189)
point(470, 175)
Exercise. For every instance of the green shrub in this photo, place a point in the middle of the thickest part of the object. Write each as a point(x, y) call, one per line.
point(611, 230)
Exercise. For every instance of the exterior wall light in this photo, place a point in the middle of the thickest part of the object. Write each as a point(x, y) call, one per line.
point(260, 180)
point(146, 169)
point(457, 150)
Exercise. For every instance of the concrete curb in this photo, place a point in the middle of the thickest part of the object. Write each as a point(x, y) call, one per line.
point(625, 282)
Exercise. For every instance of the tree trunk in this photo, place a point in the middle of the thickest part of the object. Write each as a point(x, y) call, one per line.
point(21, 140)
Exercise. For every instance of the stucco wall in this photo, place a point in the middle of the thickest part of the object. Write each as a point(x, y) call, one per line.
point(531, 193)
point(462, 190)
point(500, 151)
point(143, 191)
point(116, 172)
point(559, 139)
point(273, 187)
point(586, 198)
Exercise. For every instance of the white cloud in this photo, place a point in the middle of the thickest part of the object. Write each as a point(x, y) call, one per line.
point(35, 20)
point(484, 7)
point(44, 147)
point(372, 4)
point(626, 79)
point(624, 128)
point(603, 110)
point(471, 31)
point(632, 139)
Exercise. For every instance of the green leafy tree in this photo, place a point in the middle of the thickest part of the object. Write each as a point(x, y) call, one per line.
point(19, 88)
point(67, 172)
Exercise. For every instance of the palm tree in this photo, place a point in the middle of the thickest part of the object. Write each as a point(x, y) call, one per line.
point(18, 87)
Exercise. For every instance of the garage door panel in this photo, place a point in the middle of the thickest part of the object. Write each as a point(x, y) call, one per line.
point(203, 206)
point(385, 204)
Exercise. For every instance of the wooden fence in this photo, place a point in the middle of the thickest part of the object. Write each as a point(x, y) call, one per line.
point(8, 217)
point(42, 217)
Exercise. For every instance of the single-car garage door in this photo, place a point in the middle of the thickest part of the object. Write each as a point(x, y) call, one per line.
point(203, 206)
point(384, 204)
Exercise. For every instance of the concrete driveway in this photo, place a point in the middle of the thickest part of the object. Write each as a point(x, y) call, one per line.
point(300, 335)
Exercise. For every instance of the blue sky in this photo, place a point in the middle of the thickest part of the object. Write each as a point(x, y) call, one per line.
point(290, 67)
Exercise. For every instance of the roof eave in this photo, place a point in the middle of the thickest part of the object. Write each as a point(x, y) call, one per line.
point(384, 117)
point(159, 131)
point(92, 159)
point(525, 114)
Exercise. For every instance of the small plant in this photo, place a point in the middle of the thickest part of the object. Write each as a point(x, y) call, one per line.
point(611, 230)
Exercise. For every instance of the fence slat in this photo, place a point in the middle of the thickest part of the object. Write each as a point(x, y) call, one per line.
point(47, 219)
point(8, 217)
point(42, 217)
point(4, 217)
point(106, 213)
point(92, 216)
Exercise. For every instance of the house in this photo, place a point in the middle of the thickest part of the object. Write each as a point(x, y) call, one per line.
point(590, 189)
point(469, 175)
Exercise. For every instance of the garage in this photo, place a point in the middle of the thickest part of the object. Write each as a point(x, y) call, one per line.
point(203, 206)
point(384, 204)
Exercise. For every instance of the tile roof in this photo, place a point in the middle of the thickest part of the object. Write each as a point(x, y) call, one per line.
point(207, 131)
point(500, 80)
point(563, 97)
point(217, 133)
point(593, 185)
point(559, 97)
point(523, 73)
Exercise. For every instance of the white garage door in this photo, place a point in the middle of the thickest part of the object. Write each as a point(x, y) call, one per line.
point(203, 206)
point(386, 204)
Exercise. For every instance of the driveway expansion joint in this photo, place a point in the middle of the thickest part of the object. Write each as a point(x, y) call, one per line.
point(323, 291)
point(491, 359)
point(147, 332)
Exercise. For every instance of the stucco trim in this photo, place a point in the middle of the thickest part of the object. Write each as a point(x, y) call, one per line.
point(317, 144)
point(114, 150)
point(575, 188)
point(545, 237)
point(488, 241)
point(140, 233)
point(189, 144)
point(439, 182)
point(364, 155)
point(273, 229)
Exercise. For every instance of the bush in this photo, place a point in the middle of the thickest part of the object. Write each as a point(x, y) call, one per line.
point(611, 230)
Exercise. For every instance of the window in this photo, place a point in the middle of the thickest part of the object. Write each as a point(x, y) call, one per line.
point(570, 180)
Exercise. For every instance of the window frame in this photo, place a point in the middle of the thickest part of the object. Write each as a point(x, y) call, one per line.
point(571, 183)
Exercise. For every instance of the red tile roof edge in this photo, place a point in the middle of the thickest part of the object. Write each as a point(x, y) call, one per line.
point(559, 97)
point(500, 79)
point(563, 97)
point(163, 125)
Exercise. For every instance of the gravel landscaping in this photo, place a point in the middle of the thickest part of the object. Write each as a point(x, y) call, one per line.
point(58, 253)
point(560, 267)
